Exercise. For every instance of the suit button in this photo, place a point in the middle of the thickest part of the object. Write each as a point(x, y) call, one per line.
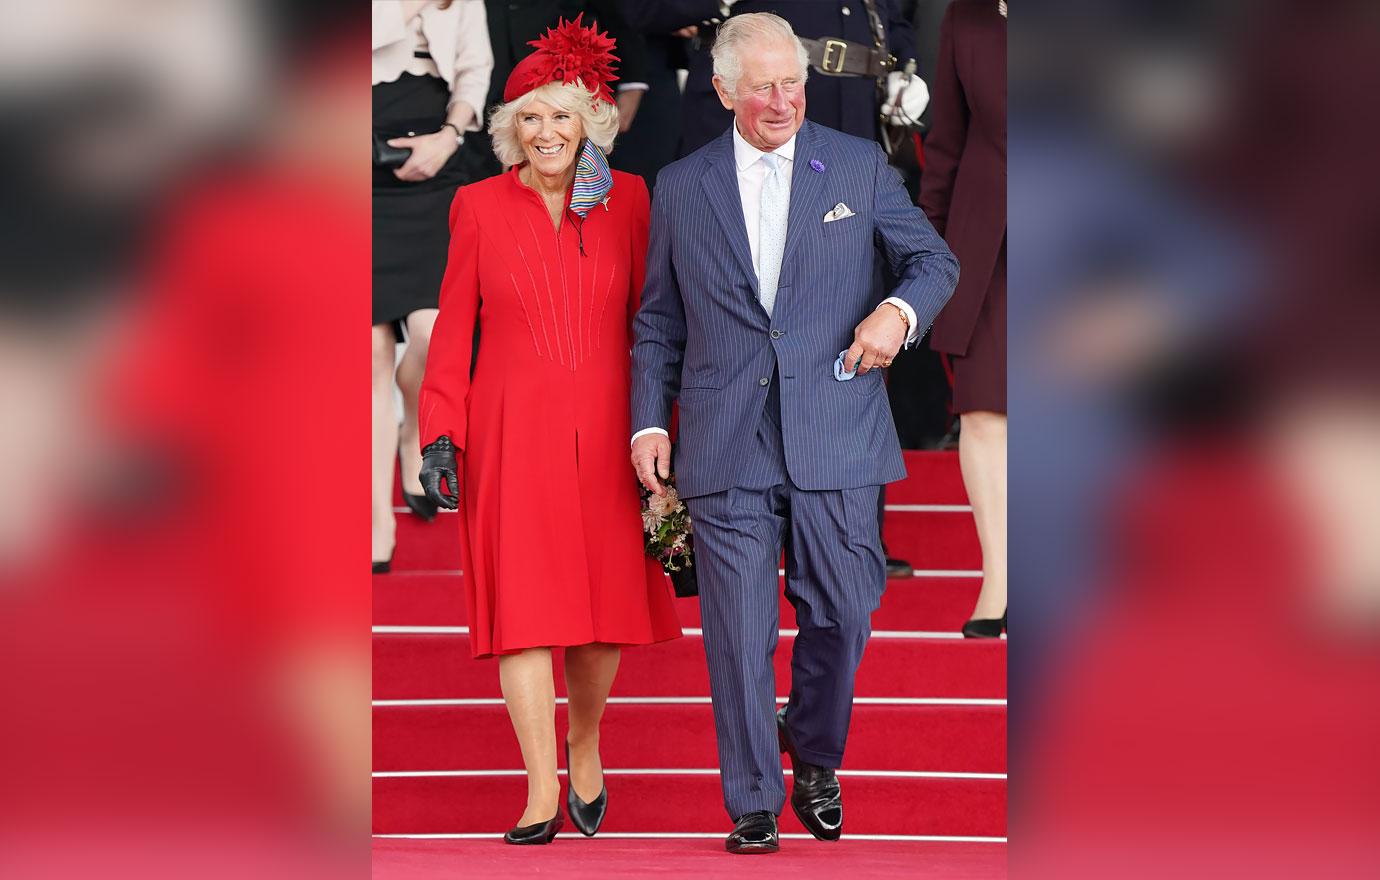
point(847, 11)
point(777, 334)
point(764, 381)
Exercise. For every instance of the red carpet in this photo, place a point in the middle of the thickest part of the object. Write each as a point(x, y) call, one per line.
point(580, 859)
point(926, 755)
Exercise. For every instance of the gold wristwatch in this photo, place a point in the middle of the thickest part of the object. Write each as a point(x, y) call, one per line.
point(902, 312)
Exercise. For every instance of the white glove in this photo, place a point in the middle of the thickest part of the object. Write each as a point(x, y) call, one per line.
point(914, 97)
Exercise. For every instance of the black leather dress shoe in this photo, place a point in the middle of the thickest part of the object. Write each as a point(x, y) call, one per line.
point(754, 833)
point(585, 817)
point(535, 835)
point(984, 628)
point(815, 793)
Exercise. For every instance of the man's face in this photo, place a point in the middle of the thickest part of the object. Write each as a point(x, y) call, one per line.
point(768, 103)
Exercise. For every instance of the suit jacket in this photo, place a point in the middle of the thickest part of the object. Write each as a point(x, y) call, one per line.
point(963, 190)
point(701, 337)
point(845, 103)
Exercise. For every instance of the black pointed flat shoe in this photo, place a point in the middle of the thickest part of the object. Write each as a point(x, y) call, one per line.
point(754, 833)
point(535, 835)
point(585, 817)
point(984, 628)
point(420, 505)
point(816, 796)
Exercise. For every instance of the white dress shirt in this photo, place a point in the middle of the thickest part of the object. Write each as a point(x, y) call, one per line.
point(752, 174)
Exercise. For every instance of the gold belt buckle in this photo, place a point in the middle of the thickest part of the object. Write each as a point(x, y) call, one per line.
point(830, 47)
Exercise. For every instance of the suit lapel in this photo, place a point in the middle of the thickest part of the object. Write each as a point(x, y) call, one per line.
point(804, 219)
point(720, 182)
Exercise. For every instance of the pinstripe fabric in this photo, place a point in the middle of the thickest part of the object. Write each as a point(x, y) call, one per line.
point(772, 449)
point(702, 337)
point(835, 575)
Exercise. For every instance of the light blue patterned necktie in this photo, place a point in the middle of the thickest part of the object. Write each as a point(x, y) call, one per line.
point(771, 230)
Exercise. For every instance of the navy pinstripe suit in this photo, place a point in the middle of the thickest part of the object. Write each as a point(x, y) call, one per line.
point(772, 450)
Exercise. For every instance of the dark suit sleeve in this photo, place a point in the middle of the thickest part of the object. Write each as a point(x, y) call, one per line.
point(631, 48)
point(667, 16)
point(926, 269)
point(659, 331)
point(900, 37)
point(948, 130)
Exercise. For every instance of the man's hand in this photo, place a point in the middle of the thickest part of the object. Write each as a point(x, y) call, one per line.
point(651, 457)
point(430, 153)
point(876, 340)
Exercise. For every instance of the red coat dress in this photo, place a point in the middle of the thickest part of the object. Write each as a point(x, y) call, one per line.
point(551, 531)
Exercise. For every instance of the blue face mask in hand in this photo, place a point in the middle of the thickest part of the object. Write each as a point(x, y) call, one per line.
point(839, 372)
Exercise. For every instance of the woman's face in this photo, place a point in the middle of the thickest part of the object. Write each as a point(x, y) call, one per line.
point(550, 137)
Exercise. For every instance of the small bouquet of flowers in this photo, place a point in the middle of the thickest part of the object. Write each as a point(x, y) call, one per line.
point(668, 530)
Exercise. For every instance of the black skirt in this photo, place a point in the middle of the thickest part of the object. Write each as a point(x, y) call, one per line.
point(411, 220)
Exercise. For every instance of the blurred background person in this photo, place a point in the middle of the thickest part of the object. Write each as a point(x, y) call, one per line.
point(537, 420)
point(963, 192)
point(184, 194)
point(431, 65)
point(651, 139)
point(1193, 494)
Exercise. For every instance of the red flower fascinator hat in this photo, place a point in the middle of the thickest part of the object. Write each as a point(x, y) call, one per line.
point(568, 52)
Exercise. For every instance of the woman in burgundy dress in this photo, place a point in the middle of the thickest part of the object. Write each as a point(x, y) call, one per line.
point(548, 259)
point(963, 192)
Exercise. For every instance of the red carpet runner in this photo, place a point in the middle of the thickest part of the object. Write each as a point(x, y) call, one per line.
point(926, 755)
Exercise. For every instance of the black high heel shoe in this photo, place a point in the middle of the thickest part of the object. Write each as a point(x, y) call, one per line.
point(383, 567)
point(535, 835)
point(420, 505)
point(983, 628)
point(585, 817)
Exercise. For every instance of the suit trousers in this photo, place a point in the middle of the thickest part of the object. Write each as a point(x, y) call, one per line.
point(835, 575)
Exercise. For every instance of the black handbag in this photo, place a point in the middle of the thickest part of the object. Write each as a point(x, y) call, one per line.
point(386, 156)
point(683, 582)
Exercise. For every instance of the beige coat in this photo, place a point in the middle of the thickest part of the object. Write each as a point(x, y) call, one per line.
point(458, 39)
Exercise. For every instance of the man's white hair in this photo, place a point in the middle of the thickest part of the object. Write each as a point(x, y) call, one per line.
point(741, 31)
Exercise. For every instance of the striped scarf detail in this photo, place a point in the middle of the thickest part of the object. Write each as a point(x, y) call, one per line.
point(593, 180)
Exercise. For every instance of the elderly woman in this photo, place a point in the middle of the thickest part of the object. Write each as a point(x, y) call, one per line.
point(548, 259)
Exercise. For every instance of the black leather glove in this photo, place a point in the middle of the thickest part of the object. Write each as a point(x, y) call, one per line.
point(438, 466)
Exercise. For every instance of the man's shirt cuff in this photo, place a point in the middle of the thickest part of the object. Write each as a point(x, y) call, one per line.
point(662, 431)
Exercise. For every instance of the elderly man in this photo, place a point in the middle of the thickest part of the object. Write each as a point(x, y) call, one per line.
point(758, 316)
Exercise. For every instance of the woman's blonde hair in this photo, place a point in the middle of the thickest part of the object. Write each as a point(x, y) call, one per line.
point(600, 118)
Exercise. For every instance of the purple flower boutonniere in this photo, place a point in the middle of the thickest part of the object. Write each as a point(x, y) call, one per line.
point(817, 166)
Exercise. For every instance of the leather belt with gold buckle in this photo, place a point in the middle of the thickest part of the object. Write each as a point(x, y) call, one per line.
point(834, 57)
point(835, 53)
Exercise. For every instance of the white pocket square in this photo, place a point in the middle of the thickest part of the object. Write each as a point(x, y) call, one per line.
point(840, 212)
